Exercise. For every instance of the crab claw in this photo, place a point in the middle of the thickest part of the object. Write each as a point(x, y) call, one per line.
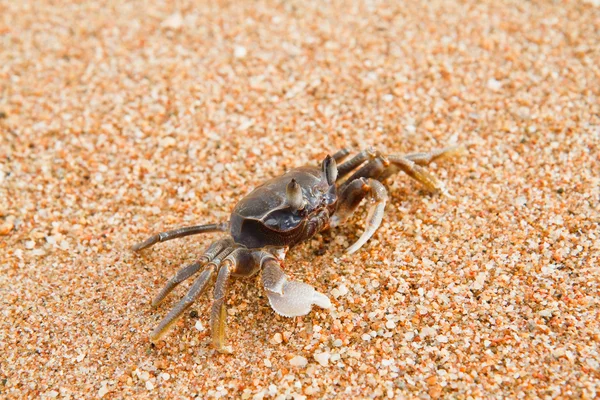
point(297, 299)
point(290, 299)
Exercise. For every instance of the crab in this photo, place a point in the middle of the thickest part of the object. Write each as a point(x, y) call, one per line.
point(280, 214)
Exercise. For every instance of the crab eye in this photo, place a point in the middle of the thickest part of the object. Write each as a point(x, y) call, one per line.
point(330, 170)
point(293, 194)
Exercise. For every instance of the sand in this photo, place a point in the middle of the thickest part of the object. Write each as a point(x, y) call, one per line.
point(121, 119)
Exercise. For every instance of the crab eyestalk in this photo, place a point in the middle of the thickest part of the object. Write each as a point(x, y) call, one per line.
point(330, 170)
point(293, 194)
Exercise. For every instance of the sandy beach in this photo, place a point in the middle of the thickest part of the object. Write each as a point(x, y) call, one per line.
point(120, 119)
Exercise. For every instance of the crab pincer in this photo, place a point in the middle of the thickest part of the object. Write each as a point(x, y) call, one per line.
point(289, 298)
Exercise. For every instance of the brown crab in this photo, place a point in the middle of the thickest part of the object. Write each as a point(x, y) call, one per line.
point(279, 214)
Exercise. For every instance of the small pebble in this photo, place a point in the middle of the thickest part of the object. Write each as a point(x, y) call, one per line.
point(546, 313)
point(299, 361)
point(429, 125)
point(199, 326)
point(165, 376)
point(322, 358)
point(240, 52)
point(277, 338)
point(494, 85)
point(103, 391)
point(174, 21)
point(521, 200)
point(5, 228)
point(341, 290)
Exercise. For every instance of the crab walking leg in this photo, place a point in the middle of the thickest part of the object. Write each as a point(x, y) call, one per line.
point(351, 197)
point(378, 194)
point(178, 233)
point(352, 193)
point(241, 262)
point(340, 155)
point(419, 173)
point(289, 298)
point(191, 269)
point(412, 165)
point(372, 169)
point(426, 158)
point(218, 314)
point(349, 166)
point(196, 290)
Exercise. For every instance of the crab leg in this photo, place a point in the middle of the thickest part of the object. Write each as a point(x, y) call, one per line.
point(351, 197)
point(196, 290)
point(412, 165)
point(185, 272)
point(372, 169)
point(218, 314)
point(340, 155)
point(241, 262)
point(347, 167)
point(178, 233)
point(289, 298)
point(418, 173)
point(430, 156)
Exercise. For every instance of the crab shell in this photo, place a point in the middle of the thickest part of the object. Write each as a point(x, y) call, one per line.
point(264, 217)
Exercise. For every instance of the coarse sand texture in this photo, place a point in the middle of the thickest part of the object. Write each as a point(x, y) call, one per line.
point(120, 119)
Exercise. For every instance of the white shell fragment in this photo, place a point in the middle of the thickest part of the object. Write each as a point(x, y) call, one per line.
point(297, 299)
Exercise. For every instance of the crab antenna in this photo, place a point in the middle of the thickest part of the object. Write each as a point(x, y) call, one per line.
point(293, 194)
point(330, 169)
